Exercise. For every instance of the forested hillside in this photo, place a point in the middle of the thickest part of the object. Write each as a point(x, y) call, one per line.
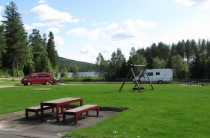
point(82, 66)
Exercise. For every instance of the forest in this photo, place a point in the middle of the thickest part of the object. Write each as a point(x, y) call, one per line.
point(22, 53)
point(188, 59)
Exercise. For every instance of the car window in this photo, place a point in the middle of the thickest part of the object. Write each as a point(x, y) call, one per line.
point(43, 75)
point(34, 75)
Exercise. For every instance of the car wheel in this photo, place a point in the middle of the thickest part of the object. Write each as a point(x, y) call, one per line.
point(47, 82)
point(29, 83)
point(160, 82)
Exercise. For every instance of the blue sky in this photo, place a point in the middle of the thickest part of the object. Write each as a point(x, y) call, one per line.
point(85, 28)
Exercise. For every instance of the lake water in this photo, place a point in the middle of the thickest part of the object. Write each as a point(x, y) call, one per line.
point(84, 74)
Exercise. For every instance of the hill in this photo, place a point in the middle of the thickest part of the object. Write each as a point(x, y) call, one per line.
point(83, 66)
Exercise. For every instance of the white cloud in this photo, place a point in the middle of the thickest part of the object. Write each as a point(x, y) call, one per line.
point(53, 30)
point(107, 49)
point(186, 3)
point(94, 34)
point(139, 24)
point(102, 23)
point(42, 1)
point(58, 42)
point(112, 26)
point(89, 50)
point(131, 35)
point(202, 4)
point(132, 31)
point(78, 32)
point(1, 9)
point(46, 13)
point(46, 24)
point(28, 27)
point(205, 5)
point(194, 30)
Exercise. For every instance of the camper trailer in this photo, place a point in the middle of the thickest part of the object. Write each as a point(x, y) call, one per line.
point(155, 76)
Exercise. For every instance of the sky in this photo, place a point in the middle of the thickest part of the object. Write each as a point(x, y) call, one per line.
point(84, 28)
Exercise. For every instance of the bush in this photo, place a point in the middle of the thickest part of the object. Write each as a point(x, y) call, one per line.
point(4, 73)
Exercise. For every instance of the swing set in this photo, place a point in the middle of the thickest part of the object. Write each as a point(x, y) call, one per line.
point(131, 72)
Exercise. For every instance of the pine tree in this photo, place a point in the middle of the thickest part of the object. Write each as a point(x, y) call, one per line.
point(40, 59)
point(17, 45)
point(2, 43)
point(52, 53)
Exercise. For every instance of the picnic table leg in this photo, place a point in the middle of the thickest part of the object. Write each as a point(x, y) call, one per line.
point(26, 112)
point(67, 107)
point(76, 118)
point(81, 103)
point(36, 114)
point(42, 112)
point(97, 111)
point(64, 117)
point(62, 109)
point(57, 113)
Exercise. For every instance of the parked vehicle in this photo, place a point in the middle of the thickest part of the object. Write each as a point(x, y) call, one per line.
point(38, 78)
point(155, 76)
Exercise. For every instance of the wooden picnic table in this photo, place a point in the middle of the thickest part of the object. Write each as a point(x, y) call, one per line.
point(59, 103)
point(194, 83)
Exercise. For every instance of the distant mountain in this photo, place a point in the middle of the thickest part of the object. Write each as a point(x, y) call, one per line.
point(83, 66)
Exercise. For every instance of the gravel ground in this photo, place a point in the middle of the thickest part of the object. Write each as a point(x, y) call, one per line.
point(15, 125)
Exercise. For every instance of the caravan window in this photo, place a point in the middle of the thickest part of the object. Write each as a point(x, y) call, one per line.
point(150, 73)
point(157, 73)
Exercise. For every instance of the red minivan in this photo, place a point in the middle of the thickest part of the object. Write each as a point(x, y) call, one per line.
point(38, 78)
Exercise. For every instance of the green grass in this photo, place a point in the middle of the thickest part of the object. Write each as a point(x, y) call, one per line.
point(170, 110)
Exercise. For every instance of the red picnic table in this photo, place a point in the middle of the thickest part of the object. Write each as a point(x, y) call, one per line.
point(59, 103)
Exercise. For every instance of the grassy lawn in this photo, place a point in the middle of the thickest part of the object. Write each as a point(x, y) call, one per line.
point(170, 110)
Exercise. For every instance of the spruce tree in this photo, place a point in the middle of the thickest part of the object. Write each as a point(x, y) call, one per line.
point(17, 45)
point(52, 53)
point(2, 43)
point(40, 59)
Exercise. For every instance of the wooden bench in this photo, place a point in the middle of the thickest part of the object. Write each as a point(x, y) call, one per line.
point(79, 110)
point(35, 109)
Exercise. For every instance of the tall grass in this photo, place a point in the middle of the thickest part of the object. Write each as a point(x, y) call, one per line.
point(170, 110)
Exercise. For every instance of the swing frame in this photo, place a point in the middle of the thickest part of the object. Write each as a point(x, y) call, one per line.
point(131, 72)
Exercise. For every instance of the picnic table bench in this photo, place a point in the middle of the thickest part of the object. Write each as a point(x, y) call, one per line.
point(79, 110)
point(36, 109)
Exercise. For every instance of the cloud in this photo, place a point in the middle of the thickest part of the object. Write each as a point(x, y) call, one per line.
point(59, 42)
point(89, 50)
point(200, 30)
point(53, 30)
point(122, 34)
point(132, 30)
point(186, 3)
point(42, 1)
point(107, 49)
point(94, 34)
point(102, 23)
point(201, 4)
point(139, 24)
point(28, 27)
point(112, 26)
point(46, 24)
point(45, 13)
point(1, 9)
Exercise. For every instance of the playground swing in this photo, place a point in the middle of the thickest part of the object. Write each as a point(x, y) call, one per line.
point(131, 72)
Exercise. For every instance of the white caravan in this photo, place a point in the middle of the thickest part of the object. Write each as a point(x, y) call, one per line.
point(155, 75)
